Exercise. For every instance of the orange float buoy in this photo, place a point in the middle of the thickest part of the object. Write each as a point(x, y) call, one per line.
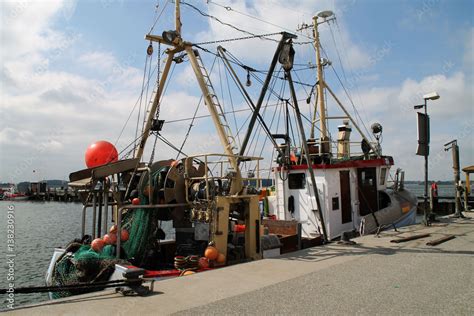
point(100, 153)
point(220, 258)
point(124, 235)
point(188, 273)
point(110, 238)
point(97, 244)
point(136, 201)
point(211, 253)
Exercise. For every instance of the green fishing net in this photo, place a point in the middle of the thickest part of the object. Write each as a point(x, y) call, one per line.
point(86, 265)
point(83, 266)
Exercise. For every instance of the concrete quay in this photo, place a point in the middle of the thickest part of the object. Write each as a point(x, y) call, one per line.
point(373, 277)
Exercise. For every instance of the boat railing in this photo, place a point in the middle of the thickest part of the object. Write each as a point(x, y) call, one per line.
point(339, 149)
point(217, 168)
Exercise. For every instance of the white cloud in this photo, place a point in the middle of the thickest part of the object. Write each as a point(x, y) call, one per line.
point(262, 17)
point(98, 60)
point(52, 115)
point(469, 52)
point(49, 112)
point(452, 117)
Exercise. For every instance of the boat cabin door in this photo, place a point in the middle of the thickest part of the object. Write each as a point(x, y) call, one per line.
point(346, 208)
point(367, 189)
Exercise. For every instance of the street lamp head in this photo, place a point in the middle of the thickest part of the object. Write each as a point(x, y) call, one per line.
point(431, 96)
point(324, 14)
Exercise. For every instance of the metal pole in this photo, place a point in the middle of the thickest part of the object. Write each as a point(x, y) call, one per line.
point(154, 106)
point(83, 227)
point(99, 215)
point(352, 120)
point(94, 213)
point(285, 37)
point(306, 151)
point(425, 197)
point(457, 178)
point(325, 147)
point(177, 16)
point(106, 208)
point(221, 51)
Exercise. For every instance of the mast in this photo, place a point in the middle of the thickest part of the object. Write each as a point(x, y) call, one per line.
point(173, 38)
point(325, 145)
point(177, 17)
point(324, 140)
point(161, 84)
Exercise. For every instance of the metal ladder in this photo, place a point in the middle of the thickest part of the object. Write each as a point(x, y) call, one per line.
point(222, 119)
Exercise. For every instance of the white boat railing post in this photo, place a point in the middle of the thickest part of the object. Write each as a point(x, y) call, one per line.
point(105, 213)
point(94, 213)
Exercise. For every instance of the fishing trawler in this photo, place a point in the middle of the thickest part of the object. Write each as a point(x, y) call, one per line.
point(214, 201)
point(333, 190)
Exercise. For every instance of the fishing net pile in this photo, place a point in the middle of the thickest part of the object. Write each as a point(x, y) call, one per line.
point(81, 264)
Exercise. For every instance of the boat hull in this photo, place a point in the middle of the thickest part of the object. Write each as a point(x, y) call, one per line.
point(401, 212)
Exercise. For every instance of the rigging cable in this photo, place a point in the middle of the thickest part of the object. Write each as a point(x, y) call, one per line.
point(157, 115)
point(346, 92)
point(337, 52)
point(159, 15)
point(352, 73)
point(228, 8)
point(225, 23)
point(271, 124)
point(191, 124)
point(271, 86)
point(141, 96)
point(253, 71)
point(147, 102)
point(130, 114)
point(232, 105)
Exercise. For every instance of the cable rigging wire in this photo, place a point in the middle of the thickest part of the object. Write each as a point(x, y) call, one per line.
point(232, 105)
point(157, 114)
point(191, 125)
point(224, 23)
point(345, 91)
point(147, 103)
point(350, 69)
point(271, 86)
point(141, 95)
point(271, 124)
point(159, 15)
point(228, 8)
point(130, 115)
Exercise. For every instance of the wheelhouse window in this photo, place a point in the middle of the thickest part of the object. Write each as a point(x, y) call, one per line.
point(383, 175)
point(296, 181)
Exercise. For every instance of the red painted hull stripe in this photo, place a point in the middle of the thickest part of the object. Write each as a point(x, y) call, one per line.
point(388, 161)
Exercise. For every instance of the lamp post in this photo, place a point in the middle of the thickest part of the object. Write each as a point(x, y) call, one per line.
point(424, 134)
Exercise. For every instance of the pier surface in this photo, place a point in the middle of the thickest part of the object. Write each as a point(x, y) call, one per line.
point(374, 276)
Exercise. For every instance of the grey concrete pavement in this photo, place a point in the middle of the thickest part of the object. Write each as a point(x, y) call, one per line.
point(374, 277)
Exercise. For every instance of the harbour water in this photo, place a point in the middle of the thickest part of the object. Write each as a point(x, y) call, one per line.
point(39, 227)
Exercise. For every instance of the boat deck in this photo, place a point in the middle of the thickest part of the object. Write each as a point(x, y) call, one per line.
point(374, 276)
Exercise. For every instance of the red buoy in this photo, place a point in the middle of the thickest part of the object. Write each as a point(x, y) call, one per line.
point(100, 153)
point(97, 244)
point(110, 238)
point(124, 235)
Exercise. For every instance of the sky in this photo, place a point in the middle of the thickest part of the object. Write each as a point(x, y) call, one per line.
point(72, 71)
